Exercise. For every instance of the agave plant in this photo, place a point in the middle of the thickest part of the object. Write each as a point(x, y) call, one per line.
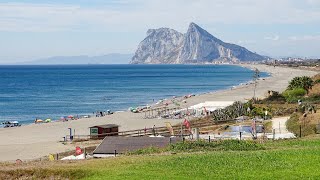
point(230, 112)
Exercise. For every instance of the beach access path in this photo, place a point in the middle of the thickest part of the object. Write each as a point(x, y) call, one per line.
point(280, 128)
point(38, 140)
point(279, 125)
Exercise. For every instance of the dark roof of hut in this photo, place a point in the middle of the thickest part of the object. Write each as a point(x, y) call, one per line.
point(125, 144)
point(105, 126)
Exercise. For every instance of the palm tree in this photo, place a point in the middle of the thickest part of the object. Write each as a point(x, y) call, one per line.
point(304, 82)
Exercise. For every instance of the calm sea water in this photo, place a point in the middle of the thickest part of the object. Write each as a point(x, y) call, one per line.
point(29, 92)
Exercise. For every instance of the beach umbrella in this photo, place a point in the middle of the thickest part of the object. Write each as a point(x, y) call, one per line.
point(70, 116)
point(48, 120)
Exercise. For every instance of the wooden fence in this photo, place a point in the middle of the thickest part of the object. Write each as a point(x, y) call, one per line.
point(150, 131)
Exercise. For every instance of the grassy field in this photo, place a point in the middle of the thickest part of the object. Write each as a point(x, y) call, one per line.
point(290, 159)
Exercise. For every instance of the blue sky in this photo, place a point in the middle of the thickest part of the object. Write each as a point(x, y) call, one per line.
point(34, 29)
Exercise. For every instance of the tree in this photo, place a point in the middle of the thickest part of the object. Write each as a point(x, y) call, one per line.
point(304, 82)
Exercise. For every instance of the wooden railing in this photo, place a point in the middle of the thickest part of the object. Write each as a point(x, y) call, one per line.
point(150, 131)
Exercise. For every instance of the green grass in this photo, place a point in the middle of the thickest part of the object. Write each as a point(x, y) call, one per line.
point(288, 159)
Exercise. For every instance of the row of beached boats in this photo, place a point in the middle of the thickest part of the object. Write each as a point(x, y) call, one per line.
point(8, 124)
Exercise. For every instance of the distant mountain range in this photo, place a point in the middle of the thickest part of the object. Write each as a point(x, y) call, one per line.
point(168, 46)
point(104, 59)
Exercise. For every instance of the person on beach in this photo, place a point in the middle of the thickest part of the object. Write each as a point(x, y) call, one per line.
point(154, 130)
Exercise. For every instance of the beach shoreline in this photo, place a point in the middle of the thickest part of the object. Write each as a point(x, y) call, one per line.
point(38, 140)
point(144, 103)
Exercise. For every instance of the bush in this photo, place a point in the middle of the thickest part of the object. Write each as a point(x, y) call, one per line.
point(226, 145)
point(293, 125)
point(202, 145)
point(148, 150)
point(315, 99)
point(294, 95)
point(258, 111)
point(317, 81)
point(274, 97)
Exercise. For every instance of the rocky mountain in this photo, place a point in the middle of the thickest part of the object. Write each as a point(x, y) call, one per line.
point(167, 46)
point(160, 46)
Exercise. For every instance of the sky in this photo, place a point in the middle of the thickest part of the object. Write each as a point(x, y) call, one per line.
point(34, 29)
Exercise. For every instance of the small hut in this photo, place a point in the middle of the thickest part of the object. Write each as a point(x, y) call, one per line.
point(101, 131)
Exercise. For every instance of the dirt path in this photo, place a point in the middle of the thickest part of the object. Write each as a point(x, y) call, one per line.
point(279, 125)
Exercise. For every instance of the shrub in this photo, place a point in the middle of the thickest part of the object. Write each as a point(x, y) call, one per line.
point(294, 95)
point(230, 112)
point(226, 145)
point(317, 81)
point(148, 150)
point(202, 145)
point(293, 125)
point(274, 97)
point(314, 99)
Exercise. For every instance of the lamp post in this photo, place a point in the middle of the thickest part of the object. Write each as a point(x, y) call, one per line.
point(70, 131)
point(256, 75)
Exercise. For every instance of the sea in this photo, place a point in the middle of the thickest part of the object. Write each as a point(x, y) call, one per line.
point(28, 92)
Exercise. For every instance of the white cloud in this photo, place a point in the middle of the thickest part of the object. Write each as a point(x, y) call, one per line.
point(139, 14)
point(272, 38)
point(44, 17)
point(313, 2)
point(305, 38)
point(246, 42)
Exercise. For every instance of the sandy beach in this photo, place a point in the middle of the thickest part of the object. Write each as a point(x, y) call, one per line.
point(37, 140)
